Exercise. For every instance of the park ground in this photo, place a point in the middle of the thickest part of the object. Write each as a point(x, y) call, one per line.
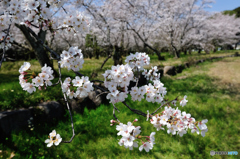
point(213, 93)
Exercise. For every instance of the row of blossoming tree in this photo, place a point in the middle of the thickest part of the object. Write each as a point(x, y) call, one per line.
point(40, 14)
point(143, 25)
point(155, 24)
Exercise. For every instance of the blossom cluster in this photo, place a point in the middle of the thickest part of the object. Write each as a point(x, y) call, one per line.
point(72, 59)
point(39, 13)
point(117, 81)
point(26, 11)
point(138, 60)
point(178, 122)
point(78, 20)
point(154, 93)
point(8, 41)
point(83, 87)
point(151, 74)
point(42, 79)
point(131, 133)
point(54, 139)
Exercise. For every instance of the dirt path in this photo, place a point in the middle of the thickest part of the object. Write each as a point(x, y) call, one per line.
point(227, 70)
point(226, 75)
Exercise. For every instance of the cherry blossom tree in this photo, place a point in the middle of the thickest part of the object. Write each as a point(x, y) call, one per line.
point(181, 21)
point(219, 30)
point(139, 18)
point(40, 14)
point(150, 22)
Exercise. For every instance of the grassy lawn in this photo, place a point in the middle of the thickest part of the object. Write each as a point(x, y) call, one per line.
point(213, 91)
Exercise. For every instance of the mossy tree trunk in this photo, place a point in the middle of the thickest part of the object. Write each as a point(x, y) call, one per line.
point(39, 50)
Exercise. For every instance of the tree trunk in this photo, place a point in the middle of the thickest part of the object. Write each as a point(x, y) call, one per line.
point(159, 55)
point(90, 55)
point(95, 47)
point(145, 48)
point(176, 51)
point(199, 51)
point(108, 41)
point(177, 54)
point(116, 56)
point(39, 50)
point(190, 51)
point(185, 51)
point(215, 49)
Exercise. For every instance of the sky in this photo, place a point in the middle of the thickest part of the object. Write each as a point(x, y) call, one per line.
point(222, 5)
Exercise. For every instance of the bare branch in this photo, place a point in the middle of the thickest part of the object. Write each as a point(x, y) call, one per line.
point(109, 56)
point(101, 94)
point(65, 99)
point(135, 110)
point(4, 49)
point(97, 81)
point(164, 105)
point(114, 112)
point(138, 77)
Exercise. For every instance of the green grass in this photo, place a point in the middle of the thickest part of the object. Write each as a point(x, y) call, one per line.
point(96, 139)
point(12, 96)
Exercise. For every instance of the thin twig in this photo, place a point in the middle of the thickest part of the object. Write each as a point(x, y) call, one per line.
point(164, 105)
point(138, 77)
point(65, 99)
point(97, 81)
point(64, 10)
point(56, 83)
point(135, 110)
point(114, 108)
point(115, 115)
point(109, 56)
point(4, 45)
point(101, 94)
point(96, 86)
point(59, 9)
point(78, 73)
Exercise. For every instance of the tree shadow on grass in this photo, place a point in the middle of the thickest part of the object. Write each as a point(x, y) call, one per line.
point(30, 143)
point(8, 78)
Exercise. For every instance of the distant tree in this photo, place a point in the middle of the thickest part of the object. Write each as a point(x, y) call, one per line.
point(235, 12)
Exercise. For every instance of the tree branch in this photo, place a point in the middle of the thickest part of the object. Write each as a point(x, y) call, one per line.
point(135, 110)
point(109, 56)
point(65, 99)
point(4, 45)
point(164, 105)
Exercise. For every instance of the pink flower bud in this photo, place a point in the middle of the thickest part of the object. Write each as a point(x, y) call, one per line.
point(24, 73)
point(135, 120)
point(112, 121)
